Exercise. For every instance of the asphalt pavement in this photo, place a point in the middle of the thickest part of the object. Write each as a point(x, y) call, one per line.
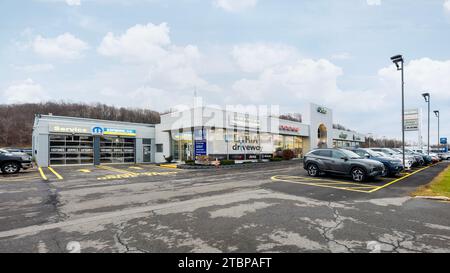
point(273, 207)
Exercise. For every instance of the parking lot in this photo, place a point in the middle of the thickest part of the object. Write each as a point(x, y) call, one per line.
point(272, 207)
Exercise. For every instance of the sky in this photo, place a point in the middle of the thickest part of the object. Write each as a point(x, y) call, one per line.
point(155, 53)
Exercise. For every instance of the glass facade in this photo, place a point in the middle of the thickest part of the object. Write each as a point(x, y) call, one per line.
point(234, 144)
point(182, 145)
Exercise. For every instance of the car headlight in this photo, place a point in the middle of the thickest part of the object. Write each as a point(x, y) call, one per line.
point(26, 158)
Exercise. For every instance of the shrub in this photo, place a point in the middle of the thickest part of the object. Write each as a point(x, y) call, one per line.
point(288, 154)
point(276, 159)
point(169, 159)
point(227, 162)
point(189, 162)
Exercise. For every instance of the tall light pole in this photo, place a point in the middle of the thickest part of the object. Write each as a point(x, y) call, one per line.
point(436, 112)
point(427, 98)
point(399, 63)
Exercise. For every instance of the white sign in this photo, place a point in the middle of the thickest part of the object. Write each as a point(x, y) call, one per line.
point(412, 117)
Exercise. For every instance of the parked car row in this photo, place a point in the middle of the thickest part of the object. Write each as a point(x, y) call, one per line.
point(342, 161)
point(363, 163)
point(13, 162)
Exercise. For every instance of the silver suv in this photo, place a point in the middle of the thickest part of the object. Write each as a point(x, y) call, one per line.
point(340, 161)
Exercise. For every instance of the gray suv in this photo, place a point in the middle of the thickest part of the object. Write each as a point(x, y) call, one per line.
point(340, 161)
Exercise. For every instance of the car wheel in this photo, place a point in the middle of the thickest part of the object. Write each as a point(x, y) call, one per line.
point(358, 174)
point(313, 170)
point(10, 168)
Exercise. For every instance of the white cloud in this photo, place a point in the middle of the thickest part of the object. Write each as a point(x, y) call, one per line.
point(25, 91)
point(235, 5)
point(420, 75)
point(287, 79)
point(373, 2)
point(258, 56)
point(169, 66)
point(73, 2)
point(447, 5)
point(138, 43)
point(34, 68)
point(65, 46)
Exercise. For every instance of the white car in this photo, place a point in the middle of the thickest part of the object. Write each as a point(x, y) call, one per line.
point(409, 160)
point(444, 156)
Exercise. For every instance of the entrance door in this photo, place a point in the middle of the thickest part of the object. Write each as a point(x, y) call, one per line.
point(147, 150)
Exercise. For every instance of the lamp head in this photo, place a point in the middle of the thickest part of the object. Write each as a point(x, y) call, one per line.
point(397, 59)
point(436, 112)
point(426, 96)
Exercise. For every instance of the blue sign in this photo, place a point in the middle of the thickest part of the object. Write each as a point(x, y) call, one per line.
point(200, 147)
point(97, 131)
point(443, 140)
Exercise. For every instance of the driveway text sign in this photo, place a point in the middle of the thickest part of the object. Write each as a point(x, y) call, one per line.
point(412, 118)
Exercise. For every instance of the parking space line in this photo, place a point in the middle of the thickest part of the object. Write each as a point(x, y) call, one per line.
point(42, 174)
point(109, 168)
point(341, 185)
point(55, 173)
point(401, 178)
point(318, 185)
point(325, 180)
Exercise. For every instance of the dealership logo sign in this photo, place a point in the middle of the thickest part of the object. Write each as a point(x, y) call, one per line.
point(97, 131)
point(289, 128)
point(322, 110)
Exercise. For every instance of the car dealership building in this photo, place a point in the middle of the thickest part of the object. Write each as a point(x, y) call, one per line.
point(184, 135)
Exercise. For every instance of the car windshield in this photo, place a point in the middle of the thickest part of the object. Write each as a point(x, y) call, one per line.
point(350, 154)
point(388, 150)
point(372, 153)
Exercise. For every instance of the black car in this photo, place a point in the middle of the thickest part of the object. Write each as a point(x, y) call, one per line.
point(11, 163)
point(341, 161)
point(393, 166)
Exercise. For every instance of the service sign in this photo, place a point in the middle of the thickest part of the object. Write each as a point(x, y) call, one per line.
point(57, 128)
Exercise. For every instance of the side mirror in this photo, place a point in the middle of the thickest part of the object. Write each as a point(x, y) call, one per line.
point(367, 156)
point(344, 158)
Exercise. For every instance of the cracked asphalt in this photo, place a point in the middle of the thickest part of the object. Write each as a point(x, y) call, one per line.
point(152, 209)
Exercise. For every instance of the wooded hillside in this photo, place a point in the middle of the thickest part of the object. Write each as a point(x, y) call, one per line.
point(16, 120)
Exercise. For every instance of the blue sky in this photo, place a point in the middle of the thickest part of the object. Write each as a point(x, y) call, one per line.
point(154, 54)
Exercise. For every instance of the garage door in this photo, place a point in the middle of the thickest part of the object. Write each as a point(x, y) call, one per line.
point(117, 150)
point(71, 149)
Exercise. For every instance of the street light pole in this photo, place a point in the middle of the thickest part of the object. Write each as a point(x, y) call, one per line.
point(436, 112)
point(427, 98)
point(399, 63)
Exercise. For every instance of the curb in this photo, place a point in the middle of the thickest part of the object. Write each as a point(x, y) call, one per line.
point(236, 166)
point(437, 198)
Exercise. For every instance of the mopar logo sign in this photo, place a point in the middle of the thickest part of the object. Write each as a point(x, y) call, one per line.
point(97, 131)
point(443, 140)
